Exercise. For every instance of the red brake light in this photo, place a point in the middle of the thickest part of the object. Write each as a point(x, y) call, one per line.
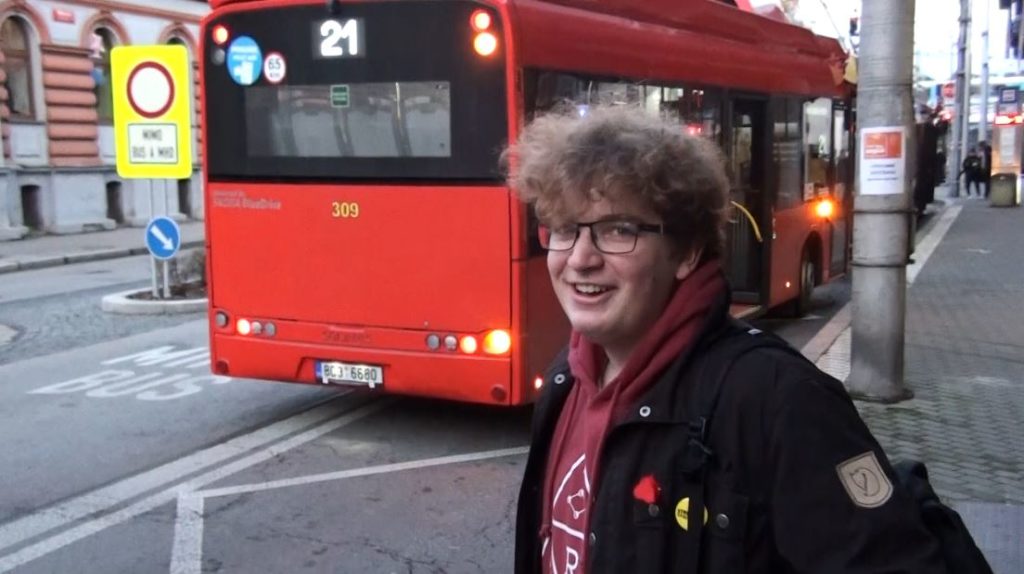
point(220, 34)
point(480, 20)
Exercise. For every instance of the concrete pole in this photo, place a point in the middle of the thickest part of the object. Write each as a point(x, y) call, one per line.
point(983, 108)
point(882, 212)
point(960, 119)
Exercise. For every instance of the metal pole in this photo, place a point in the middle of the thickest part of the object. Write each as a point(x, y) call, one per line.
point(959, 119)
point(167, 279)
point(983, 108)
point(882, 205)
point(156, 282)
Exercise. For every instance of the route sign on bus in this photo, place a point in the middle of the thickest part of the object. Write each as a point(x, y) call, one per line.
point(152, 111)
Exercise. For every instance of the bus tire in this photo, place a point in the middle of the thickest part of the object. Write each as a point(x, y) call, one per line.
point(808, 279)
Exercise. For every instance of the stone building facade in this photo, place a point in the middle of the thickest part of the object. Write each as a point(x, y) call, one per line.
point(56, 115)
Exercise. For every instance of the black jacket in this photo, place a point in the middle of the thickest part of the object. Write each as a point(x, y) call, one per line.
point(775, 497)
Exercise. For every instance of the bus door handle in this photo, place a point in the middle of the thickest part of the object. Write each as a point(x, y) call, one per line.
point(750, 218)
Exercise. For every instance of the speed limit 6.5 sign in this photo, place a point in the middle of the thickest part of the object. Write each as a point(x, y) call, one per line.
point(152, 111)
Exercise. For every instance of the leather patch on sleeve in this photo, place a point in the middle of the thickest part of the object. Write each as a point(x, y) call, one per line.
point(865, 481)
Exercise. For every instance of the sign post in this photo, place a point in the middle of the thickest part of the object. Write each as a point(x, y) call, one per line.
point(153, 132)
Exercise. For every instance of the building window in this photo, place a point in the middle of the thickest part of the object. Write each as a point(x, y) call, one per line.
point(18, 67)
point(103, 41)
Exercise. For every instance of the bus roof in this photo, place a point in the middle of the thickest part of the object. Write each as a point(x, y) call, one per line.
point(707, 42)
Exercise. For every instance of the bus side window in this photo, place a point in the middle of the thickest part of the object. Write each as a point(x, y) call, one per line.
point(817, 146)
point(549, 92)
point(786, 154)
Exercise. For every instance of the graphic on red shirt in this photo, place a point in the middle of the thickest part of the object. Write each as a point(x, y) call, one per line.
point(563, 551)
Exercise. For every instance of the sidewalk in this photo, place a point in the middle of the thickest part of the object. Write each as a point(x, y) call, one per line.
point(965, 364)
point(52, 250)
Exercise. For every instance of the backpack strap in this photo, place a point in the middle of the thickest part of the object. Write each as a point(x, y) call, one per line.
point(719, 358)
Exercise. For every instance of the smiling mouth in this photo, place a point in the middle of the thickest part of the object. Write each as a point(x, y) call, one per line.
point(590, 289)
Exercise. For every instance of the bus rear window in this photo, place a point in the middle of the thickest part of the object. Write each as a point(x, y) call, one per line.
point(380, 119)
point(392, 99)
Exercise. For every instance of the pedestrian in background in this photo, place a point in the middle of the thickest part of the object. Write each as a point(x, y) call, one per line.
point(971, 170)
point(986, 166)
point(632, 212)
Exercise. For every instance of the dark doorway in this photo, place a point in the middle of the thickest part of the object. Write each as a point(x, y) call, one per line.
point(185, 196)
point(31, 208)
point(115, 209)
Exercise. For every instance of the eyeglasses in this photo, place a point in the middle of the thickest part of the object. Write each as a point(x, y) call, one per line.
point(611, 237)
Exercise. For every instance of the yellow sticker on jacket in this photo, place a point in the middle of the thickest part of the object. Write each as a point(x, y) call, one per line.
point(865, 481)
point(683, 513)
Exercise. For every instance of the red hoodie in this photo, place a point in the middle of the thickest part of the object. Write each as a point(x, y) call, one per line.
point(590, 412)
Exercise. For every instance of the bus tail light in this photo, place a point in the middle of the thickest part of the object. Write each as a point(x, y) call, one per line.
point(485, 44)
point(468, 344)
point(497, 342)
point(480, 20)
point(243, 327)
point(825, 209)
point(220, 34)
point(221, 319)
point(538, 383)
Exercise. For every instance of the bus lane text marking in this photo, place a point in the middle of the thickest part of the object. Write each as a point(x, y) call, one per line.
point(144, 384)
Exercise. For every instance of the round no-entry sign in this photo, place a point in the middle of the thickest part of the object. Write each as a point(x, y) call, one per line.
point(150, 89)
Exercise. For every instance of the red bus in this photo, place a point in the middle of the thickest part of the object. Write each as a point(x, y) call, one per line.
point(358, 228)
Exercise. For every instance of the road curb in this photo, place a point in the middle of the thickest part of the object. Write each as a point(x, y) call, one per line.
point(29, 262)
point(121, 303)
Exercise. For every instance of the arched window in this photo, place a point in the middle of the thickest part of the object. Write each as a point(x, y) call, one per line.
point(103, 41)
point(14, 41)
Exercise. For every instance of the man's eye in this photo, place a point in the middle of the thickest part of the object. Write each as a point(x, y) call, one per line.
point(564, 231)
point(621, 229)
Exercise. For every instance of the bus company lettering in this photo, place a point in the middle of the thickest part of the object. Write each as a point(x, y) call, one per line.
point(189, 375)
point(346, 337)
point(239, 200)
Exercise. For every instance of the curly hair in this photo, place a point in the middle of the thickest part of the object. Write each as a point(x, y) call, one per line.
point(623, 153)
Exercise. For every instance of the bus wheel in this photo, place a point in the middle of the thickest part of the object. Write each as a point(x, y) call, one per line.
point(808, 272)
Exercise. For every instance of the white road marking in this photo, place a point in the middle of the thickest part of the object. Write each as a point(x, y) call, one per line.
point(836, 359)
point(86, 529)
point(187, 553)
point(923, 251)
point(108, 497)
point(6, 334)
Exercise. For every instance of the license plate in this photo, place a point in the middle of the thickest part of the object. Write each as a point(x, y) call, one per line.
point(349, 374)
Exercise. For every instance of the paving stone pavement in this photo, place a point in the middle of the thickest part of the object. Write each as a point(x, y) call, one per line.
point(965, 364)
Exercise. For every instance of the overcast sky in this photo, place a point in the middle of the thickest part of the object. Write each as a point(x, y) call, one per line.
point(936, 30)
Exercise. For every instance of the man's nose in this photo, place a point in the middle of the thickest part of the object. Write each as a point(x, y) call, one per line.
point(584, 254)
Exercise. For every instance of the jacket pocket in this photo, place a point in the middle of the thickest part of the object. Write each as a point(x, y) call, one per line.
point(724, 543)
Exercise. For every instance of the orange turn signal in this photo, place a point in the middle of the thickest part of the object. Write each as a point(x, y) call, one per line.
point(497, 342)
point(825, 208)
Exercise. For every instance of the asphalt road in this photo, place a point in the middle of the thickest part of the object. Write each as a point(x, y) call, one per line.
point(123, 454)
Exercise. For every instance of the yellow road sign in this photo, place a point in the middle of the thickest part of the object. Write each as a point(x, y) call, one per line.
point(152, 111)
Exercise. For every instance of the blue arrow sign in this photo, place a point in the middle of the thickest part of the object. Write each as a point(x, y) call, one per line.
point(163, 237)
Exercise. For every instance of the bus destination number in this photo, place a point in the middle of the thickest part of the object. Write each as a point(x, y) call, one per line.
point(345, 209)
point(338, 39)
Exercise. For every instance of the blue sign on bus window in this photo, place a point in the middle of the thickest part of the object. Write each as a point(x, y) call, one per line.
point(245, 61)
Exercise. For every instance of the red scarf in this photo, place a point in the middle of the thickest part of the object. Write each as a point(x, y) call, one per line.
point(590, 411)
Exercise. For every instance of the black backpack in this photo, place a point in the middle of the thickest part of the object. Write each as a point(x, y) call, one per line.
point(959, 551)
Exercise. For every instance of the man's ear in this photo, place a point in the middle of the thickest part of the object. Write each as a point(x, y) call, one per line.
point(688, 264)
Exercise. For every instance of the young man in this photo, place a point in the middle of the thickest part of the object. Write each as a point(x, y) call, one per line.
point(632, 213)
